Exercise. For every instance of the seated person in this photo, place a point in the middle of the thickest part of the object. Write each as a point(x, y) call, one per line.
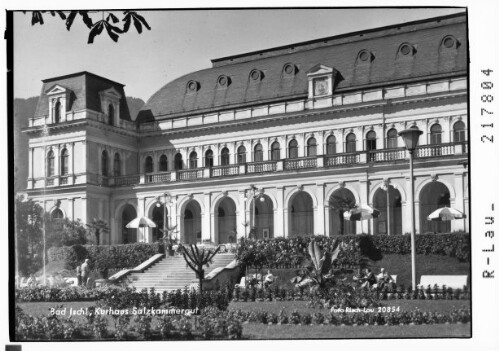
point(269, 278)
point(358, 276)
point(369, 278)
point(32, 282)
point(383, 278)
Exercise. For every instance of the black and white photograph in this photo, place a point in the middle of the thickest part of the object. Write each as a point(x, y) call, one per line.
point(250, 173)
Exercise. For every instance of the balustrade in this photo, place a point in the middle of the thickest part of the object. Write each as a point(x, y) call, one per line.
point(224, 171)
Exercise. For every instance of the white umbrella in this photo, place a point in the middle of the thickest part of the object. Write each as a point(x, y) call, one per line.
point(361, 213)
point(141, 222)
point(445, 214)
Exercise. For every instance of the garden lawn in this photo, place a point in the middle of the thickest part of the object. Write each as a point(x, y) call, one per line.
point(444, 306)
point(261, 331)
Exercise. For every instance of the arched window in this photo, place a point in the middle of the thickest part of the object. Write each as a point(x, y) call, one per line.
point(459, 132)
point(351, 143)
point(241, 155)
point(64, 162)
point(392, 139)
point(110, 116)
point(50, 163)
point(117, 165)
point(104, 163)
point(148, 167)
point(163, 163)
point(178, 161)
point(208, 159)
point(311, 147)
point(275, 153)
point(193, 160)
point(331, 145)
point(436, 134)
point(371, 140)
point(258, 153)
point(224, 157)
point(293, 149)
point(57, 112)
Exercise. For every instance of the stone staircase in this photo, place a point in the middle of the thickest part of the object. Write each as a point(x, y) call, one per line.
point(172, 272)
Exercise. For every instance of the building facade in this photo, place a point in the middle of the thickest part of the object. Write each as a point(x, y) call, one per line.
point(282, 140)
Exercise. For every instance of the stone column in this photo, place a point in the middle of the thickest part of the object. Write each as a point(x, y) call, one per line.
point(279, 228)
point(458, 224)
point(364, 226)
point(207, 228)
point(241, 213)
point(319, 227)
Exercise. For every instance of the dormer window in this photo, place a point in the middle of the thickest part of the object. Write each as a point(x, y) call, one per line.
point(110, 115)
point(58, 103)
point(110, 106)
point(321, 86)
point(321, 81)
point(57, 112)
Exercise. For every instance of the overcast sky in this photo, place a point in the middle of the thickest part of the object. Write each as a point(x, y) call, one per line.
point(179, 42)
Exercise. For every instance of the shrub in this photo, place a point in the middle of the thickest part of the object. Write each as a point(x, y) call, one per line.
point(356, 249)
point(105, 257)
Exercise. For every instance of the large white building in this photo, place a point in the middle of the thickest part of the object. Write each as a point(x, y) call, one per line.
point(299, 128)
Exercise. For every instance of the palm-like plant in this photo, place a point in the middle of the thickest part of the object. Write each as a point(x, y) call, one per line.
point(197, 258)
point(322, 262)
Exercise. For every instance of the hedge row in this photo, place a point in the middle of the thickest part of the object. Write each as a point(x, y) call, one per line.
point(104, 257)
point(292, 252)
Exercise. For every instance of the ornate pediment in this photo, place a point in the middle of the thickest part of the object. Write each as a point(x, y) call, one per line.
point(111, 92)
point(57, 90)
point(320, 70)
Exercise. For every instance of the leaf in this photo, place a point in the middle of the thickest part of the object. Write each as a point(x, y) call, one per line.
point(61, 14)
point(127, 19)
point(96, 30)
point(137, 24)
point(86, 19)
point(110, 32)
point(142, 19)
point(70, 19)
point(36, 18)
point(113, 18)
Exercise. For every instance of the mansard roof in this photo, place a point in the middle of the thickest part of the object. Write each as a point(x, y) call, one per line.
point(383, 64)
point(84, 88)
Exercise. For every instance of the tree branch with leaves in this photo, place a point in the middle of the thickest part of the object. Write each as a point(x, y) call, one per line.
point(197, 258)
point(109, 23)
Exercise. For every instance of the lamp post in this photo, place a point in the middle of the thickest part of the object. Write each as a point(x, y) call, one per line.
point(158, 204)
point(386, 187)
point(255, 196)
point(411, 138)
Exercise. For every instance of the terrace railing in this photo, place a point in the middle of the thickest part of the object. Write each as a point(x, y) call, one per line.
point(300, 163)
point(262, 167)
point(313, 162)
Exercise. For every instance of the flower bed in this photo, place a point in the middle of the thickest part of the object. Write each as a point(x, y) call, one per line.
point(347, 296)
point(461, 315)
point(210, 325)
point(117, 297)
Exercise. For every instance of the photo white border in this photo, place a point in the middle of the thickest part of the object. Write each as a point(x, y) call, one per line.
point(483, 40)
